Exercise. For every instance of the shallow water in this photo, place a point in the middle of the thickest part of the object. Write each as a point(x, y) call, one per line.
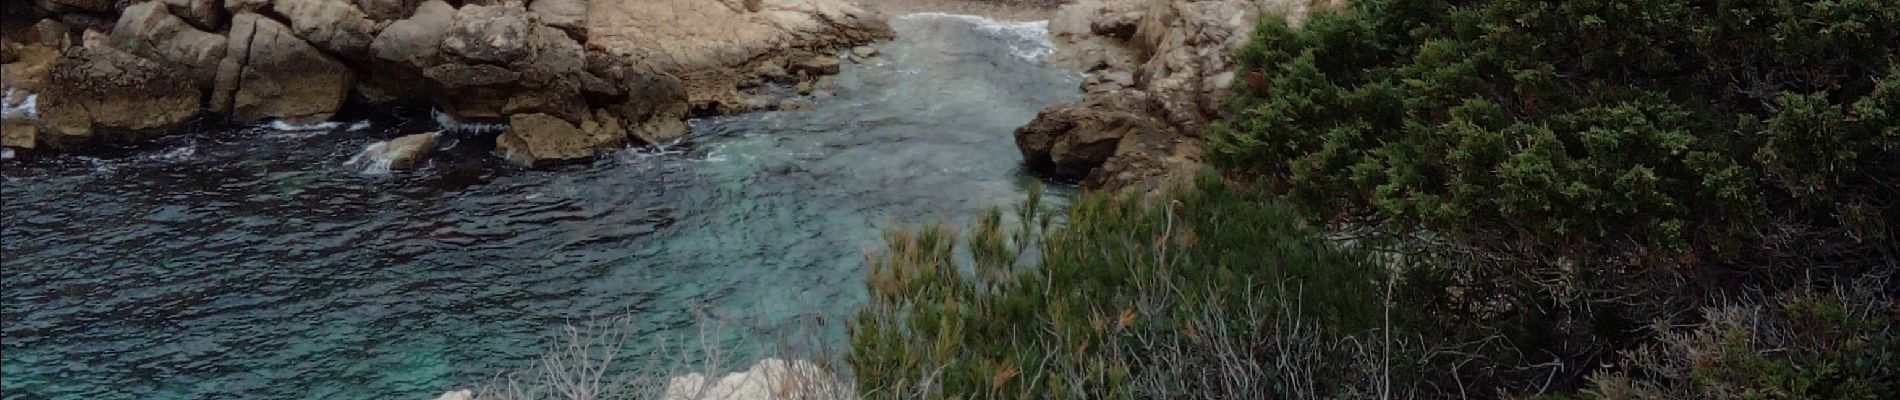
point(254, 263)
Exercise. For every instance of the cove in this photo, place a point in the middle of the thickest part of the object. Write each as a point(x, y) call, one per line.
point(252, 262)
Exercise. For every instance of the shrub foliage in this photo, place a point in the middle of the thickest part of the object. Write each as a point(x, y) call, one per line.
point(1694, 130)
point(1214, 294)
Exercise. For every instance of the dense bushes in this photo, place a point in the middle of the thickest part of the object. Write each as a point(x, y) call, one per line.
point(1690, 130)
point(1216, 294)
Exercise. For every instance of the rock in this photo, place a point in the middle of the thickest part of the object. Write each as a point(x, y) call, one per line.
point(710, 45)
point(1071, 140)
point(149, 30)
point(865, 52)
point(803, 87)
point(17, 132)
point(791, 105)
point(463, 394)
point(52, 33)
point(816, 66)
point(30, 67)
point(567, 15)
point(413, 41)
point(243, 6)
point(540, 140)
point(399, 153)
point(770, 378)
point(385, 10)
point(270, 73)
point(104, 91)
point(494, 34)
point(68, 6)
point(204, 14)
point(332, 25)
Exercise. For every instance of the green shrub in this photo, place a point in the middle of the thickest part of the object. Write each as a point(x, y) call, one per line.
point(1212, 293)
point(1838, 345)
point(1687, 130)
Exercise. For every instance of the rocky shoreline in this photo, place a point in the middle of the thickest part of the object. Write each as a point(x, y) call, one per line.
point(570, 78)
point(1157, 71)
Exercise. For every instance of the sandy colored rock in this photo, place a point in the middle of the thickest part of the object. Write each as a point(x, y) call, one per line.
point(149, 30)
point(399, 153)
point(540, 140)
point(414, 42)
point(243, 6)
point(52, 33)
point(770, 378)
point(105, 93)
point(493, 34)
point(710, 45)
point(270, 73)
point(30, 67)
point(567, 15)
point(332, 25)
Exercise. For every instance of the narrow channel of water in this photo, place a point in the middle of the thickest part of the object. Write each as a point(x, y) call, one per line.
point(254, 263)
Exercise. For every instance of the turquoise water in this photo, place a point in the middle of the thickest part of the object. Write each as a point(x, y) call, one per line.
point(253, 263)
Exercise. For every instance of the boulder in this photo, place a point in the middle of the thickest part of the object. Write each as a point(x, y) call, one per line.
point(52, 33)
point(149, 30)
point(17, 131)
point(205, 14)
point(567, 15)
point(540, 140)
point(1071, 140)
point(332, 25)
point(493, 34)
point(816, 65)
point(770, 378)
point(385, 10)
point(244, 6)
point(30, 67)
point(413, 41)
point(98, 91)
point(270, 73)
point(399, 153)
point(710, 45)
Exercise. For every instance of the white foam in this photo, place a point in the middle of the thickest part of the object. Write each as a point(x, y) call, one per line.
point(6, 153)
point(372, 160)
point(359, 125)
point(290, 127)
point(1031, 38)
point(28, 107)
point(446, 123)
point(177, 154)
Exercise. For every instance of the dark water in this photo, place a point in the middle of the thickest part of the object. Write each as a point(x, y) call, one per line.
point(252, 263)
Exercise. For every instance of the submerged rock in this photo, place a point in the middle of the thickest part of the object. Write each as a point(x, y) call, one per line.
point(1072, 140)
point(399, 153)
point(540, 140)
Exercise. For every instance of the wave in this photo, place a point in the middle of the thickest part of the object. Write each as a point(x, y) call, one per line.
point(29, 107)
point(290, 127)
point(447, 123)
point(1028, 40)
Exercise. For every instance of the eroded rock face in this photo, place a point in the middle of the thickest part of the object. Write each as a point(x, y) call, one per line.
point(1072, 140)
point(101, 91)
point(712, 45)
point(332, 25)
point(149, 30)
point(273, 74)
point(413, 42)
point(496, 34)
point(204, 14)
point(1173, 56)
point(540, 140)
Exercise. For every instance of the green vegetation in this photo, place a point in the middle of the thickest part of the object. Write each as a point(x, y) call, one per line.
point(1580, 199)
point(1215, 294)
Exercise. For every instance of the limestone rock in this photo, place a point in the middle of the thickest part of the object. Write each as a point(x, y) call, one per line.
point(816, 65)
point(399, 153)
point(710, 45)
point(242, 6)
point(384, 10)
point(52, 33)
point(567, 15)
point(30, 67)
point(270, 73)
point(413, 41)
point(204, 14)
point(332, 25)
point(1071, 140)
point(770, 378)
point(463, 394)
point(149, 30)
point(104, 91)
point(540, 140)
point(493, 34)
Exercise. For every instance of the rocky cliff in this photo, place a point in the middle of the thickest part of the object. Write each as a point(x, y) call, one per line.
point(571, 77)
point(1156, 73)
